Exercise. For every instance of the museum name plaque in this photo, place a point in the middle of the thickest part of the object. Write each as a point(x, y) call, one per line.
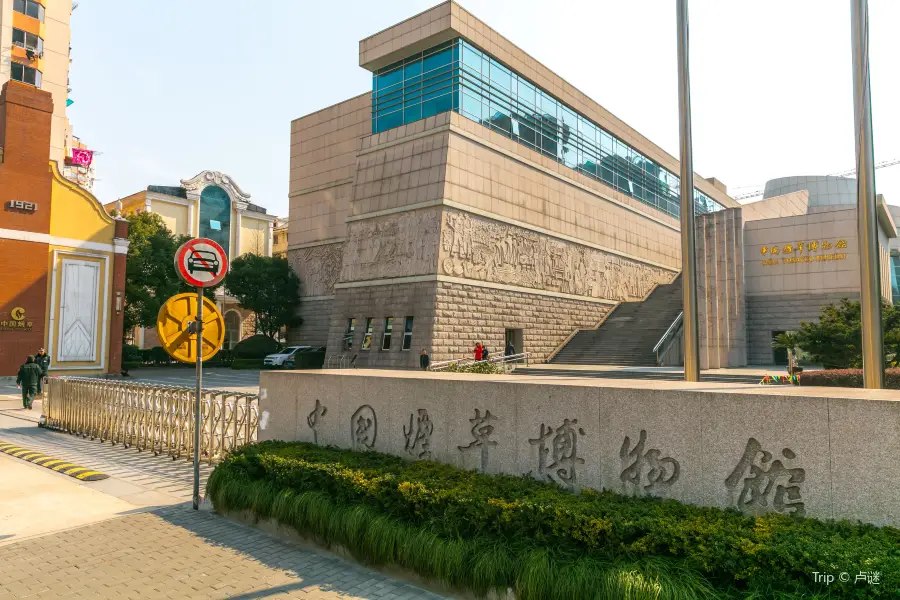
point(803, 252)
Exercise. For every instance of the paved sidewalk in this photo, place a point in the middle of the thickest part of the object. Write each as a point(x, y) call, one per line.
point(178, 553)
point(133, 535)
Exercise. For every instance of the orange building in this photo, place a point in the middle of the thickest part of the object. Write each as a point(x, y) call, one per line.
point(62, 257)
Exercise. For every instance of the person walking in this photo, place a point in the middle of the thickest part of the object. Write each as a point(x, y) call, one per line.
point(28, 380)
point(484, 353)
point(478, 351)
point(510, 349)
point(424, 360)
point(42, 359)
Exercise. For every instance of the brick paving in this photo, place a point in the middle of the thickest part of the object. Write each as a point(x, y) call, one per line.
point(176, 553)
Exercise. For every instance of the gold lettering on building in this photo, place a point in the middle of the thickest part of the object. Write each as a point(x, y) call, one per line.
point(799, 248)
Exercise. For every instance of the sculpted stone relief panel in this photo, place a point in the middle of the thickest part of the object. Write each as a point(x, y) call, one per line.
point(396, 245)
point(478, 248)
point(317, 267)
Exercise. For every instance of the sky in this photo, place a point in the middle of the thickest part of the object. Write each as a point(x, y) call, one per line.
point(164, 89)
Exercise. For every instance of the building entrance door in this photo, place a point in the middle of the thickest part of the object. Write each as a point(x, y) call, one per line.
point(779, 355)
point(517, 338)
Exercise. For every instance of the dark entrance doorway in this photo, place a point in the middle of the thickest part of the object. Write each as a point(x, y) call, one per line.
point(780, 355)
point(517, 338)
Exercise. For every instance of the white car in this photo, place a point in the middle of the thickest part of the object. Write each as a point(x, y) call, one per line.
point(277, 360)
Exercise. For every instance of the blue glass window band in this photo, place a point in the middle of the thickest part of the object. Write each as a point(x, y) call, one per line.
point(458, 76)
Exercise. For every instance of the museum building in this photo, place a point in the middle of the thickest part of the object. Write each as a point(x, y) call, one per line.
point(473, 195)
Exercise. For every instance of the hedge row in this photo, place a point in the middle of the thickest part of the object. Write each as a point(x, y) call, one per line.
point(847, 378)
point(765, 556)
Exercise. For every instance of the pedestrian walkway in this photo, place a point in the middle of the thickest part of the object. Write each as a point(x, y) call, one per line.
point(177, 553)
point(135, 535)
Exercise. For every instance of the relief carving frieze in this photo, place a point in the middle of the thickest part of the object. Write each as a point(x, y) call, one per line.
point(318, 268)
point(398, 245)
point(474, 247)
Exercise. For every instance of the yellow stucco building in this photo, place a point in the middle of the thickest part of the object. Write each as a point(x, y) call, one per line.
point(209, 205)
point(62, 255)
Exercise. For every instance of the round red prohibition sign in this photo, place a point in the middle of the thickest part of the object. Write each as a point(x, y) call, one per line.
point(201, 262)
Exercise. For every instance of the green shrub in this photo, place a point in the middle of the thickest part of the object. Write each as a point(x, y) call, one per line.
point(847, 378)
point(159, 356)
point(484, 367)
point(256, 346)
point(246, 363)
point(131, 353)
point(768, 555)
point(128, 365)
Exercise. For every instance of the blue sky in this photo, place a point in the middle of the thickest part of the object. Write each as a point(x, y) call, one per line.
point(165, 88)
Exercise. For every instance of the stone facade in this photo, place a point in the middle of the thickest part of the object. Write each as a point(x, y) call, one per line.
point(825, 453)
point(782, 312)
point(721, 310)
point(378, 302)
point(467, 314)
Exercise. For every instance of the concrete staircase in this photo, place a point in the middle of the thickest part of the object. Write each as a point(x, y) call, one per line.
point(628, 334)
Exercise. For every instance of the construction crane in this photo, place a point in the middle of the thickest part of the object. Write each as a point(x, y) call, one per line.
point(886, 163)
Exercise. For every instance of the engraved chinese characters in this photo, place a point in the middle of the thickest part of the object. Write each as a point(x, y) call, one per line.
point(481, 432)
point(313, 419)
point(764, 481)
point(647, 466)
point(418, 437)
point(363, 428)
point(560, 446)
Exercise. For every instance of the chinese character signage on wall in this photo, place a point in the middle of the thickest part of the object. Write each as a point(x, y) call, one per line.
point(15, 321)
point(803, 252)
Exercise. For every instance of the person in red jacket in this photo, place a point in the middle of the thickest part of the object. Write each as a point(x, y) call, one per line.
point(478, 351)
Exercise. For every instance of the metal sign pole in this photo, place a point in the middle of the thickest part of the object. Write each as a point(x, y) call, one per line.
point(197, 398)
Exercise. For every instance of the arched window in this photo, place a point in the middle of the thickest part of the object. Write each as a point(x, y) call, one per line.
point(215, 215)
point(232, 329)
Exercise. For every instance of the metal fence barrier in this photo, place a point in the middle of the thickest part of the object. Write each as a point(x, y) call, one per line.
point(146, 416)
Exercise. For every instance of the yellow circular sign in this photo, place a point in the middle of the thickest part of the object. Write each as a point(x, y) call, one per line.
point(18, 313)
point(175, 317)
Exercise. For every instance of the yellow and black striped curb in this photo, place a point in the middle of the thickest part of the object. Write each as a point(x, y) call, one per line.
point(60, 466)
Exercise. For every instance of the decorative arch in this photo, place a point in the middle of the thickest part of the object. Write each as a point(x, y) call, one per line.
point(214, 185)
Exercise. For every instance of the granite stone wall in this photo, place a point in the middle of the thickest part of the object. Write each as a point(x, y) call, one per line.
point(825, 454)
point(378, 302)
point(466, 314)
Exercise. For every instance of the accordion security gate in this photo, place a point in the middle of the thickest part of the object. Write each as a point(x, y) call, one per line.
point(158, 418)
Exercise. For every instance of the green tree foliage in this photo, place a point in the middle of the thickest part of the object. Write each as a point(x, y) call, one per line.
point(789, 341)
point(835, 340)
point(267, 286)
point(150, 275)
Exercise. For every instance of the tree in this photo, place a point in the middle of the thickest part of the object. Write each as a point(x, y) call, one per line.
point(150, 275)
point(836, 339)
point(789, 341)
point(267, 286)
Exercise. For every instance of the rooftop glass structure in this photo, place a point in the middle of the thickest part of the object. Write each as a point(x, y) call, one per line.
point(458, 76)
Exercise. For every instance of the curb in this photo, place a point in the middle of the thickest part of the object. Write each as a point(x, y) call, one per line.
point(60, 466)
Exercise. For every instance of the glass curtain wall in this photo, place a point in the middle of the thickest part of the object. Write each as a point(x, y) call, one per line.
point(458, 76)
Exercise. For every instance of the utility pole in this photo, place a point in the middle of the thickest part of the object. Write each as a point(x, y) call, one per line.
point(690, 328)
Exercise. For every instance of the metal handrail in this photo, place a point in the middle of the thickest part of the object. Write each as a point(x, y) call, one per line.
point(151, 417)
point(669, 331)
point(440, 366)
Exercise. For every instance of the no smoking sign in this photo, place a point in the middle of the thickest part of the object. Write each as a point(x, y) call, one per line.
point(201, 262)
